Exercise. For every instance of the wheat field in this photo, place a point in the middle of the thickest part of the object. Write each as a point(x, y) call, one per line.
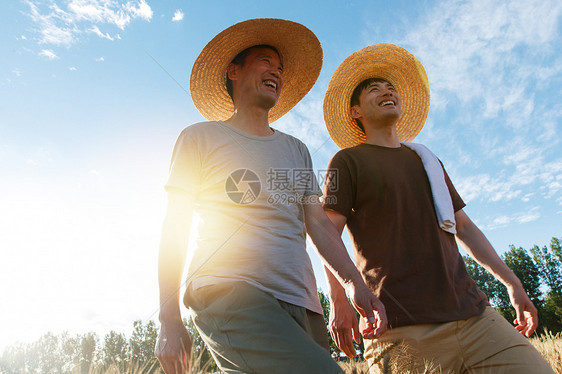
point(550, 347)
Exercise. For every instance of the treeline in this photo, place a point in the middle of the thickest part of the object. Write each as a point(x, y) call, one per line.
point(540, 272)
point(86, 354)
point(539, 269)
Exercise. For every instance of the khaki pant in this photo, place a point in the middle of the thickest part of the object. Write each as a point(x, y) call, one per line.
point(485, 344)
point(249, 331)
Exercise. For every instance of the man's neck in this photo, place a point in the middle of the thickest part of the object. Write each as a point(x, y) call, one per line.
point(254, 121)
point(384, 136)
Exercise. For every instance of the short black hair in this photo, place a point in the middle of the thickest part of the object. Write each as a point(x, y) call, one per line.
point(357, 92)
point(240, 59)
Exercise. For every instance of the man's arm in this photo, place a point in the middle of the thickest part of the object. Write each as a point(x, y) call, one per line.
point(173, 348)
point(344, 326)
point(331, 249)
point(479, 248)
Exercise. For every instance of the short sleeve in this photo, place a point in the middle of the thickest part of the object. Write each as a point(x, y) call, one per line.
point(185, 166)
point(458, 202)
point(312, 187)
point(338, 186)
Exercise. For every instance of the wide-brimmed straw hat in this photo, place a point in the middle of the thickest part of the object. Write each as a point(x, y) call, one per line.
point(298, 46)
point(386, 61)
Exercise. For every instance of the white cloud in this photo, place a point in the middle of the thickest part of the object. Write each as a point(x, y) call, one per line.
point(100, 59)
point(505, 220)
point(51, 26)
point(468, 47)
point(306, 122)
point(178, 16)
point(143, 10)
point(97, 31)
point(48, 53)
point(63, 25)
point(551, 177)
point(529, 216)
point(72, 68)
point(524, 172)
point(498, 222)
point(494, 69)
point(487, 188)
point(16, 72)
point(527, 197)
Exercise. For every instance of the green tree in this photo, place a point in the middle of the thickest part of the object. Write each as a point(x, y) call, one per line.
point(334, 350)
point(200, 356)
point(549, 262)
point(485, 281)
point(88, 346)
point(44, 356)
point(115, 350)
point(519, 261)
point(70, 349)
point(325, 302)
point(550, 266)
point(550, 315)
point(13, 359)
point(556, 247)
point(142, 343)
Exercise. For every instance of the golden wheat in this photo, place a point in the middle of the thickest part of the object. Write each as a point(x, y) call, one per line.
point(549, 346)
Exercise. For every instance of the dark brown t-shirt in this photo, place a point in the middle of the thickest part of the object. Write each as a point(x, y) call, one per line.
point(412, 265)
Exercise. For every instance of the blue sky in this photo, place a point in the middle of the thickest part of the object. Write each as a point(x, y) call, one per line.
point(93, 94)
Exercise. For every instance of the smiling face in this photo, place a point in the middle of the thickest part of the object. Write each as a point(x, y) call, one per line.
point(378, 103)
point(259, 79)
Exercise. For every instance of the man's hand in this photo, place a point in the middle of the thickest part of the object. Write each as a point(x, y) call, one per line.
point(480, 249)
point(527, 315)
point(173, 348)
point(326, 237)
point(344, 327)
point(371, 309)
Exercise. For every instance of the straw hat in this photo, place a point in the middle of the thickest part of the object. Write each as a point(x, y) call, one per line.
point(387, 61)
point(302, 61)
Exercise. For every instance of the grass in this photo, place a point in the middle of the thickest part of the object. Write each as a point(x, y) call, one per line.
point(401, 361)
point(549, 345)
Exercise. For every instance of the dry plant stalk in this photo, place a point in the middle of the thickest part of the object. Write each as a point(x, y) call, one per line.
point(550, 347)
point(392, 359)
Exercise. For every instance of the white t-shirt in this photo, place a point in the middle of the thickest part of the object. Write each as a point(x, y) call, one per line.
point(249, 193)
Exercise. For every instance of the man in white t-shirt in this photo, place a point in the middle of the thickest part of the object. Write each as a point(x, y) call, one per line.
point(251, 289)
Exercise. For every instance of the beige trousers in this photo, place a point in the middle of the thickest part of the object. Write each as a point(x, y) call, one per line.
point(485, 344)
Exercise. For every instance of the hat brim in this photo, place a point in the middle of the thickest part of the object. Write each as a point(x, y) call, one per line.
point(302, 61)
point(386, 61)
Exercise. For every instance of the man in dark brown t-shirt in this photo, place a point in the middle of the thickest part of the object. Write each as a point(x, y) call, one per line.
point(385, 197)
point(404, 217)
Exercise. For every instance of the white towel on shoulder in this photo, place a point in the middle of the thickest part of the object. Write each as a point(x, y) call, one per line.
point(441, 196)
